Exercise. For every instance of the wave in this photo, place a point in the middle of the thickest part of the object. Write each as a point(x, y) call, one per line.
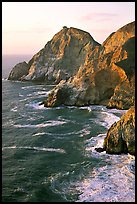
point(39, 133)
point(35, 105)
point(94, 108)
point(4, 79)
point(41, 125)
point(36, 148)
point(39, 93)
point(36, 86)
point(81, 133)
point(14, 109)
point(30, 87)
point(93, 143)
point(20, 95)
point(106, 119)
point(112, 182)
point(88, 108)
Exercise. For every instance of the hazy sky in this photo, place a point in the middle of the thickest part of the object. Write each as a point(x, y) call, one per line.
point(28, 26)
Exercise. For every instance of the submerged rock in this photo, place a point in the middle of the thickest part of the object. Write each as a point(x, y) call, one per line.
point(121, 135)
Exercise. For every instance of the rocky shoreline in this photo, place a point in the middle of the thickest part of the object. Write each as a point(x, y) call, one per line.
point(87, 73)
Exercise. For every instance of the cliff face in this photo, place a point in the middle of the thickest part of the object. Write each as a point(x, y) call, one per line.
point(124, 93)
point(89, 73)
point(121, 135)
point(61, 57)
point(119, 37)
point(108, 71)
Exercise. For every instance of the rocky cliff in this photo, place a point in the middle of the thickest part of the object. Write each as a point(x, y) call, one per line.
point(106, 75)
point(59, 59)
point(89, 73)
point(121, 135)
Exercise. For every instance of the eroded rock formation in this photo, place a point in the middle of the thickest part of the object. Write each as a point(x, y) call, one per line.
point(89, 73)
point(18, 71)
point(121, 135)
point(61, 57)
point(108, 71)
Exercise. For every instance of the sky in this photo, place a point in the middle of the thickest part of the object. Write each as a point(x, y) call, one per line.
point(28, 26)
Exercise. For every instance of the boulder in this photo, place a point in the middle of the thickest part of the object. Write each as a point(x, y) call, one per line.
point(18, 71)
point(121, 135)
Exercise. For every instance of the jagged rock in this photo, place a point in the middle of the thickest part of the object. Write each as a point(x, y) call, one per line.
point(19, 71)
point(61, 57)
point(105, 72)
point(118, 38)
point(121, 135)
point(124, 93)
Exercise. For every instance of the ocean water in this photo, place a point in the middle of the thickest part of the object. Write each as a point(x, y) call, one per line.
point(48, 154)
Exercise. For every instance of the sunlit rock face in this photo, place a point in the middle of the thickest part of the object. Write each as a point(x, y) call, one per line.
point(107, 71)
point(124, 93)
point(61, 57)
point(121, 135)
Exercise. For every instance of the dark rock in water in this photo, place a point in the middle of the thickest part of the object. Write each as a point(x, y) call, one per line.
point(99, 149)
point(121, 135)
point(18, 71)
point(42, 103)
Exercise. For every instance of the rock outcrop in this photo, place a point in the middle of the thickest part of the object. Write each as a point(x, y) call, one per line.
point(88, 73)
point(61, 57)
point(124, 93)
point(18, 71)
point(121, 135)
point(108, 70)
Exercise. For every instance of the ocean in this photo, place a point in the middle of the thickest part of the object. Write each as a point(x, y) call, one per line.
point(48, 154)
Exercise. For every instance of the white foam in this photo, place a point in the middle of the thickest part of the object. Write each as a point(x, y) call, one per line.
point(81, 133)
point(20, 95)
point(4, 79)
point(93, 143)
point(39, 133)
point(11, 147)
point(42, 93)
point(36, 148)
point(89, 108)
point(36, 106)
point(106, 119)
point(27, 87)
point(25, 99)
point(112, 182)
point(41, 125)
point(117, 111)
point(14, 109)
